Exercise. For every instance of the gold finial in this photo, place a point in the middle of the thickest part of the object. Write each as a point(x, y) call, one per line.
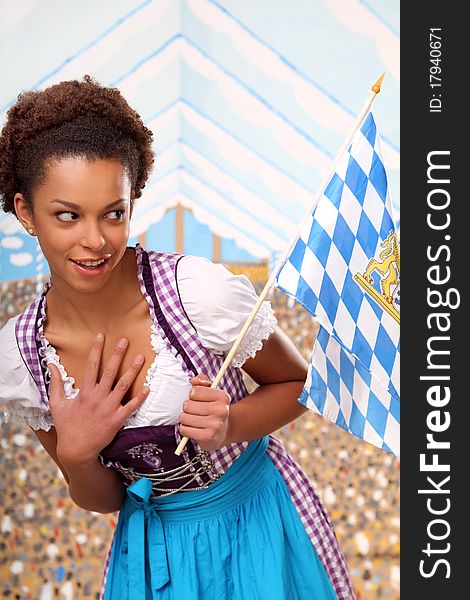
point(376, 87)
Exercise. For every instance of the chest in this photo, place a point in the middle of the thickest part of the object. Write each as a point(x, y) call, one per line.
point(73, 348)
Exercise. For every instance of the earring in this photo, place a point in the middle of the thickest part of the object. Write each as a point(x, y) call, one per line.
point(30, 230)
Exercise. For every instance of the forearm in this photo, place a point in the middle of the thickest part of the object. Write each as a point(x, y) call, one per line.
point(267, 409)
point(94, 487)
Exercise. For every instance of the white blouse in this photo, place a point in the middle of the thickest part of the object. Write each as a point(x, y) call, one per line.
point(217, 303)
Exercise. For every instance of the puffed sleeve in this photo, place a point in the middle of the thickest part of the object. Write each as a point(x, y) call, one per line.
point(218, 304)
point(19, 394)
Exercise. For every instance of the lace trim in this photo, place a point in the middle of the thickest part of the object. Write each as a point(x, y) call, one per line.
point(157, 346)
point(50, 356)
point(48, 353)
point(262, 327)
point(42, 421)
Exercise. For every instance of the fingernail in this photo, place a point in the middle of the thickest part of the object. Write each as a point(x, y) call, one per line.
point(99, 337)
point(122, 343)
point(138, 360)
point(146, 391)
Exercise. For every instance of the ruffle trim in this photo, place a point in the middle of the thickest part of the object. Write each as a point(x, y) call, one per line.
point(41, 420)
point(262, 327)
point(157, 346)
point(48, 353)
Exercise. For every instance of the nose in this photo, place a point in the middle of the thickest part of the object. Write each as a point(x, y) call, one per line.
point(92, 237)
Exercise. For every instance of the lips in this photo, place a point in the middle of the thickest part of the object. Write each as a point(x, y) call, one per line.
point(90, 266)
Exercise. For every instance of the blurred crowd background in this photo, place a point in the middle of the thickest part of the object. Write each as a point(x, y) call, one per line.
point(50, 548)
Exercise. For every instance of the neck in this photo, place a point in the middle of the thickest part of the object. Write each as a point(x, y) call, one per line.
point(99, 310)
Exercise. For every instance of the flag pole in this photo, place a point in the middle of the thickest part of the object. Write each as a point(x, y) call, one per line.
point(375, 89)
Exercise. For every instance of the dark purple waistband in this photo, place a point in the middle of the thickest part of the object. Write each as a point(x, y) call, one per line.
point(150, 450)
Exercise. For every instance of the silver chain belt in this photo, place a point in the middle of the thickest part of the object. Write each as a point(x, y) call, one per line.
point(206, 467)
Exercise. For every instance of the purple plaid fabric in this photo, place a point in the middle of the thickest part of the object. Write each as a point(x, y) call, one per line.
point(157, 273)
point(28, 326)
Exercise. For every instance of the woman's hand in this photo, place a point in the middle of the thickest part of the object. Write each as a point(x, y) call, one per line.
point(89, 422)
point(205, 416)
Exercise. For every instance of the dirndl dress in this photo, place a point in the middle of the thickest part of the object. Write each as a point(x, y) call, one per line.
point(241, 538)
point(245, 523)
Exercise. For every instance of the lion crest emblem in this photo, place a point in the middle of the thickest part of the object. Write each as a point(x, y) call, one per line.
point(381, 278)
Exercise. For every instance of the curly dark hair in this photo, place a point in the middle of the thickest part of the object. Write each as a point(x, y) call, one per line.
point(72, 118)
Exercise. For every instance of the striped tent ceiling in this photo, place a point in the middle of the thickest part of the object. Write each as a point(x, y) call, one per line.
point(249, 102)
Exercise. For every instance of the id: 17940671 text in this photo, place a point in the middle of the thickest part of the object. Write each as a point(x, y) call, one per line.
point(435, 69)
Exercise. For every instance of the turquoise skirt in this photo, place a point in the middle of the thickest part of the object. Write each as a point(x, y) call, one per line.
point(239, 539)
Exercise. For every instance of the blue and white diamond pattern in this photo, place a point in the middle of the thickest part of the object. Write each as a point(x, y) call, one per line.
point(354, 371)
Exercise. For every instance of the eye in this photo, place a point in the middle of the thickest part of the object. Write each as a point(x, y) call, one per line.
point(116, 215)
point(67, 216)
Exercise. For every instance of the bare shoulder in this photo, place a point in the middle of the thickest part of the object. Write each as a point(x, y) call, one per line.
point(48, 441)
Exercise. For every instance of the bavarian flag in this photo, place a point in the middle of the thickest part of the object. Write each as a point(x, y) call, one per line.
point(345, 270)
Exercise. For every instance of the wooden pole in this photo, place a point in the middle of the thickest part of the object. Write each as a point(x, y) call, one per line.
point(179, 228)
point(216, 248)
point(143, 239)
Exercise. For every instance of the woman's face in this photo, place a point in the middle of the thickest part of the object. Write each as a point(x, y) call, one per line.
point(81, 215)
